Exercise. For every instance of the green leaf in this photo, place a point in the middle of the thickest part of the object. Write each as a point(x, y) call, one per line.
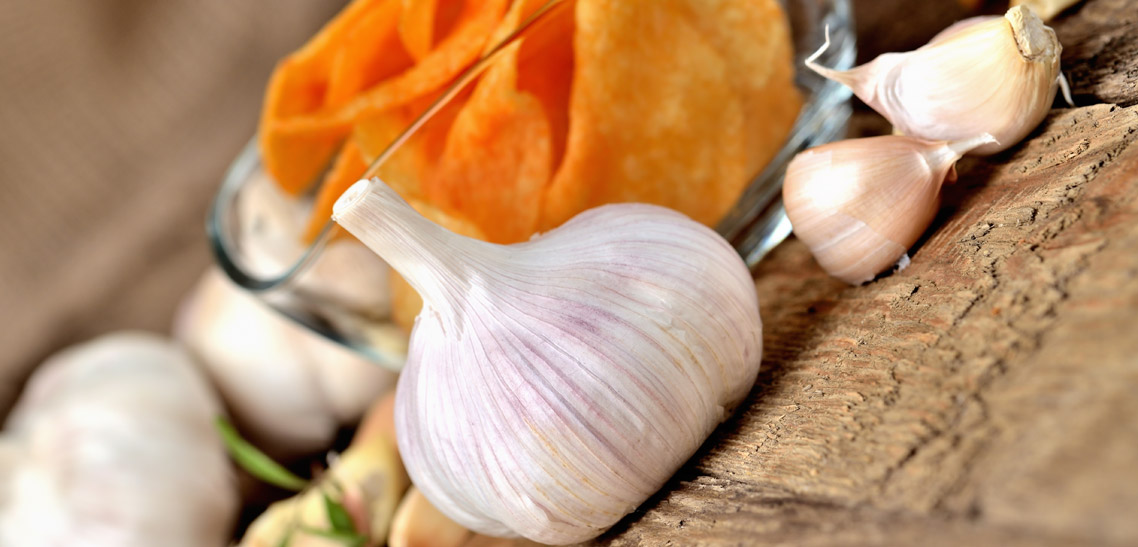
point(338, 516)
point(287, 539)
point(348, 540)
point(254, 461)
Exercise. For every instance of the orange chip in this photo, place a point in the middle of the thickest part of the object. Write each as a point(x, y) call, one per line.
point(496, 163)
point(298, 87)
point(303, 122)
point(347, 169)
point(545, 69)
point(679, 105)
point(293, 162)
point(417, 26)
point(371, 52)
point(440, 66)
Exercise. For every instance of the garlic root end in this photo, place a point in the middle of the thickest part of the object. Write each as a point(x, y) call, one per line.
point(825, 72)
point(350, 198)
point(1065, 87)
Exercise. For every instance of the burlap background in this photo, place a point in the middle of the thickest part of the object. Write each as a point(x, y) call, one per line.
point(117, 119)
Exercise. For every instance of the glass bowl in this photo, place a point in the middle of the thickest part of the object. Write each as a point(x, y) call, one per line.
point(244, 221)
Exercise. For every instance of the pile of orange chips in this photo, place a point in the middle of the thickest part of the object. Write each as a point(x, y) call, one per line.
point(674, 102)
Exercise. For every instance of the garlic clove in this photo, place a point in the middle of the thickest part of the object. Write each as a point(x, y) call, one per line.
point(552, 386)
point(997, 76)
point(419, 524)
point(116, 447)
point(288, 388)
point(860, 204)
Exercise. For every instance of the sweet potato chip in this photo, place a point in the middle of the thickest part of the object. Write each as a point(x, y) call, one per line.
point(678, 105)
point(496, 163)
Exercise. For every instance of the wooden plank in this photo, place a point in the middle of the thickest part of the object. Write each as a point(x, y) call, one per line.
point(983, 396)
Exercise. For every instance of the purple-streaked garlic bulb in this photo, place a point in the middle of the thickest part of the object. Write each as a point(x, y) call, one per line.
point(552, 386)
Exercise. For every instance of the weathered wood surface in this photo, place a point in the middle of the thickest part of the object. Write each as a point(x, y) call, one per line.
point(988, 394)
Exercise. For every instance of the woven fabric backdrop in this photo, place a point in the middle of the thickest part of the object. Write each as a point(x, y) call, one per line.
point(117, 120)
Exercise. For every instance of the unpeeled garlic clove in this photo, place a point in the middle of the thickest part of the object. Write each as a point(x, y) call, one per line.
point(552, 386)
point(997, 76)
point(288, 388)
point(417, 523)
point(860, 204)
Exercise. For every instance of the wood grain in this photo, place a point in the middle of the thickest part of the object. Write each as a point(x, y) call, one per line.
point(983, 396)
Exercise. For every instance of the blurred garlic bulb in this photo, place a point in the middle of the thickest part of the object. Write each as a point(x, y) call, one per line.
point(288, 388)
point(553, 385)
point(997, 76)
point(367, 479)
point(117, 448)
point(860, 204)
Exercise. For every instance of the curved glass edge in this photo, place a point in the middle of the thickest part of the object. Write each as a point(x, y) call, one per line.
point(381, 343)
point(758, 221)
point(754, 226)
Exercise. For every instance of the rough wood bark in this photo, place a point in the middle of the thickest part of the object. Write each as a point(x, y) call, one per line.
point(984, 395)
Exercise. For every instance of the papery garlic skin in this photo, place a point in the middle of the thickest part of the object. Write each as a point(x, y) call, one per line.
point(860, 204)
point(997, 76)
point(118, 450)
point(1046, 9)
point(288, 389)
point(554, 385)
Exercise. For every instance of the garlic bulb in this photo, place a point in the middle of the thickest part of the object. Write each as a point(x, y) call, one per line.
point(860, 204)
point(997, 76)
point(117, 449)
point(553, 385)
point(288, 388)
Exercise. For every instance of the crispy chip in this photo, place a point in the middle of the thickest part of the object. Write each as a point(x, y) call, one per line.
point(347, 169)
point(301, 130)
point(545, 69)
point(298, 87)
point(440, 66)
point(417, 26)
point(496, 163)
point(371, 52)
point(678, 105)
